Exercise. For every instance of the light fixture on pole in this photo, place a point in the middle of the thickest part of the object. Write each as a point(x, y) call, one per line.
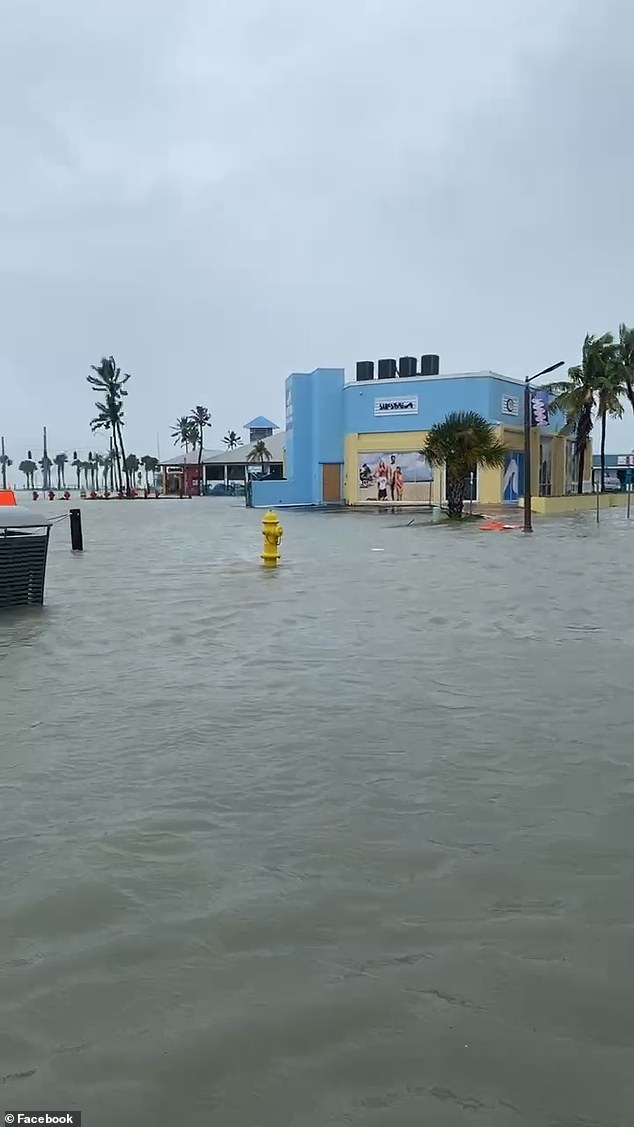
point(528, 419)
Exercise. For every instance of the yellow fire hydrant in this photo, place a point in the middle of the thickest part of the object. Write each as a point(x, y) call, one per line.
point(272, 532)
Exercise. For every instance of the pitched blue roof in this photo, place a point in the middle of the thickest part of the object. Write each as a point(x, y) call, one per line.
point(260, 421)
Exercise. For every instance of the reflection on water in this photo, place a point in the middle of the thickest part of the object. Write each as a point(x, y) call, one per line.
point(348, 843)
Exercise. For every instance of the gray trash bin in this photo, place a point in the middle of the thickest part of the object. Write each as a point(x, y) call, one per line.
point(24, 537)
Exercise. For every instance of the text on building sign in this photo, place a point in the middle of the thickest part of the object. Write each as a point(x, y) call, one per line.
point(407, 406)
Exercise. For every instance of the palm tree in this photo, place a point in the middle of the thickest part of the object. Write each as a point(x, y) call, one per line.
point(259, 453)
point(107, 463)
point(625, 358)
point(232, 440)
point(5, 462)
point(131, 467)
point(77, 466)
point(59, 461)
point(91, 470)
point(46, 465)
point(610, 388)
point(97, 461)
point(200, 418)
point(109, 382)
point(463, 440)
point(107, 419)
point(575, 397)
point(150, 465)
point(28, 468)
point(87, 467)
point(185, 433)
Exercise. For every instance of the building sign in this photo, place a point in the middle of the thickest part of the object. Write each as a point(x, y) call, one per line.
point(289, 408)
point(406, 406)
point(625, 460)
point(510, 405)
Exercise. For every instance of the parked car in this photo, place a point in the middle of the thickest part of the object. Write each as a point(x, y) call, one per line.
point(612, 483)
point(232, 489)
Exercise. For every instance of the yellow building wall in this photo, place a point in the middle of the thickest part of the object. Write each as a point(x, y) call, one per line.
point(513, 439)
point(401, 443)
point(490, 481)
point(489, 486)
point(576, 503)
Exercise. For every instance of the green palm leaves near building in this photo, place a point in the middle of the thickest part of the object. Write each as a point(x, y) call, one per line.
point(594, 391)
point(461, 442)
point(259, 453)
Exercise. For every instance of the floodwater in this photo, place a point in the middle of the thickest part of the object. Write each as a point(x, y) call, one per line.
point(351, 843)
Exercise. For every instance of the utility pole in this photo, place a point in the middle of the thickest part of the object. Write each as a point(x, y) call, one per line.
point(46, 479)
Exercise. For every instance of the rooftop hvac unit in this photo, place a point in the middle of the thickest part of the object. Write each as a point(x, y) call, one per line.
point(407, 366)
point(387, 369)
point(429, 365)
point(365, 370)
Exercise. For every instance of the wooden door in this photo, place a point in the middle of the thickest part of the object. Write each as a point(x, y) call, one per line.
point(331, 481)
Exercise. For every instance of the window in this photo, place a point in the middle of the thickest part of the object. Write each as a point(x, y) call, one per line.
point(571, 467)
point(545, 467)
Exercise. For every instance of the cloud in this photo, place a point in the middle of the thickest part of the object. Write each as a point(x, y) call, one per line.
point(222, 193)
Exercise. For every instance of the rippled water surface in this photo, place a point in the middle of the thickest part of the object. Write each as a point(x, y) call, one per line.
point(351, 843)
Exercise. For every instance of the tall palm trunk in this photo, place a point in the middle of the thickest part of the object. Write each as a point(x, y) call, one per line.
point(125, 468)
point(200, 462)
point(604, 419)
point(455, 497)
point(116, 461)
point(112, 464)
point(581, 461)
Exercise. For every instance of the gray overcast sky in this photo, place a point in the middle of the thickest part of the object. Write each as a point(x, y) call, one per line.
point(223, 191)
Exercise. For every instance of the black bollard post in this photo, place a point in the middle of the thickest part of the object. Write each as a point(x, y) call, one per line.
point(76, 536)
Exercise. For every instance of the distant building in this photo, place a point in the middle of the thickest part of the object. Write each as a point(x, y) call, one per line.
point(617, 466)
point(260, 428)
point(180, 474)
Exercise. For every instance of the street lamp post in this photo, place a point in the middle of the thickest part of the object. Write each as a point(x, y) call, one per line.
point(528, 516)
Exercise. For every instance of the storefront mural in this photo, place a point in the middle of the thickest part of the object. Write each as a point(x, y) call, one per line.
point(513, 480)
point(395, 478)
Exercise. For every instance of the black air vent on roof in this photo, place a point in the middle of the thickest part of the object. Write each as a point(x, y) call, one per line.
point(365, 370)
point(429, 365)
point(407, 366)
point(387, 369)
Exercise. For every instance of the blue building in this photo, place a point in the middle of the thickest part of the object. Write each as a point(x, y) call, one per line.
point(344, 438)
